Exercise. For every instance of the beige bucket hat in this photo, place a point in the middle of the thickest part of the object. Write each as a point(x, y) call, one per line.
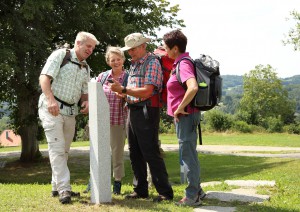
point(133, 40)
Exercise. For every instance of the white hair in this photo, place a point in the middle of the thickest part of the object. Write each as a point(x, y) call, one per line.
point(83, 36)
point(113, 50)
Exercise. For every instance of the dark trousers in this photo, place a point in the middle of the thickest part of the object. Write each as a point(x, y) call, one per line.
point(142, 132)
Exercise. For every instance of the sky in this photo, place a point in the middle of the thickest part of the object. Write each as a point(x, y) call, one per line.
point(241, 34)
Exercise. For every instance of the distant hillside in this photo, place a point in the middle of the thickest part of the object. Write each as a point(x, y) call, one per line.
point(295, 80)
point(233, 87)
point(233, 81)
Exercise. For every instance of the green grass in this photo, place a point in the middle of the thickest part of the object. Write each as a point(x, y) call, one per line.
point(257, 139)
point(26, 187)
point(244, 139)
point(270, 152)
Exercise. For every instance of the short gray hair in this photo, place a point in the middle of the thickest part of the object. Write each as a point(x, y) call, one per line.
point(113, 50)
point(83, 36)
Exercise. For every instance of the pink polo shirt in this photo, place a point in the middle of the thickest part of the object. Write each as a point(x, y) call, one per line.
point(175, 90)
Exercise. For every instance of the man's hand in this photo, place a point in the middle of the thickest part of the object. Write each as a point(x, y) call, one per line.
point(85, 107)
point(45, 82)
point(116, 86)
point(53, 108)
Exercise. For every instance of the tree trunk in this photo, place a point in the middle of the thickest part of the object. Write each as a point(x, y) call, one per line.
point(29, 126)
point(30, 146)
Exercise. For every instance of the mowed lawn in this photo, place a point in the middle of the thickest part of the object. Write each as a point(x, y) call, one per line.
point(26, 187)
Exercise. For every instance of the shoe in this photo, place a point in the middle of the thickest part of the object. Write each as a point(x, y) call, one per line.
point(54, 193)
point(117, 187)
point(201, 194)
point(135, 195)
point(73, 194)
point(161, 198)
point(65, 197)
point(189, 202)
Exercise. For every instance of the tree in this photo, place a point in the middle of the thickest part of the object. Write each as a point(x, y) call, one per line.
point(4, 123)
point(265, 97)
point(30, 29)
point(294, 33)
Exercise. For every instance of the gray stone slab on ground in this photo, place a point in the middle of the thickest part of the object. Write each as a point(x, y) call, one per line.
point(214, 209)
point(242, 183)
point(250, 183)
point(240, 195)
point(100, 157)
point(212, 183)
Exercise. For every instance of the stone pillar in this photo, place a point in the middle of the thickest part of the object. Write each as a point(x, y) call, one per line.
point(100, 156)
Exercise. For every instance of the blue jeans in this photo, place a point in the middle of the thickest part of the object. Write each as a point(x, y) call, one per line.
point(186, 130)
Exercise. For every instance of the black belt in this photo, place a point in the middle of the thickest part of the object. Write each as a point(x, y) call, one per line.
point(139, 104)
point(138, 107)
point(64, 103)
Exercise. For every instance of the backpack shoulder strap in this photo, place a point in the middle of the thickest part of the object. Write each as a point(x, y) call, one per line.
point(177, 69)
point(104, 77)
point(67, 58)
point(147, 61)
point(125, 80)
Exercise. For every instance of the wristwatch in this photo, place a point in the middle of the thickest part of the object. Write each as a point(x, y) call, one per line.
point(124, 90)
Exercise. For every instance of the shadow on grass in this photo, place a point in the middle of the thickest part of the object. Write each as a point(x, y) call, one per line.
point(16, 172)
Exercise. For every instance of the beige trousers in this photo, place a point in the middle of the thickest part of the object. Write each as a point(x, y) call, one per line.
point(59, 131)
point(117, 142)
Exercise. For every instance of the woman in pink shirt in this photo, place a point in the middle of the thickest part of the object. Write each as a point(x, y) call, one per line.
point(186, 118)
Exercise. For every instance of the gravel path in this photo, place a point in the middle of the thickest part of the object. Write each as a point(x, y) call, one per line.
point(255, 151)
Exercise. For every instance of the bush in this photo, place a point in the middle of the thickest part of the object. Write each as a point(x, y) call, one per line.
point(218, 120)
point(80, 135)
point(166, 122)
point(163, 128)
point(292, 129)
point(259, 129)
point(242, 126)
point(41, 137)
point(274, 125)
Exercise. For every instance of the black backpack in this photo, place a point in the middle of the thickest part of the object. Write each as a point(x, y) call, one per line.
point(68, 59)
point(209, 81)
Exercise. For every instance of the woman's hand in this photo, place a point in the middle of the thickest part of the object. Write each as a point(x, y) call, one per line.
point(178, 112)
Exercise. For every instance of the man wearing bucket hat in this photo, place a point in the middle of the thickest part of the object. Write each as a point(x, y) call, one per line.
point(144, 85)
